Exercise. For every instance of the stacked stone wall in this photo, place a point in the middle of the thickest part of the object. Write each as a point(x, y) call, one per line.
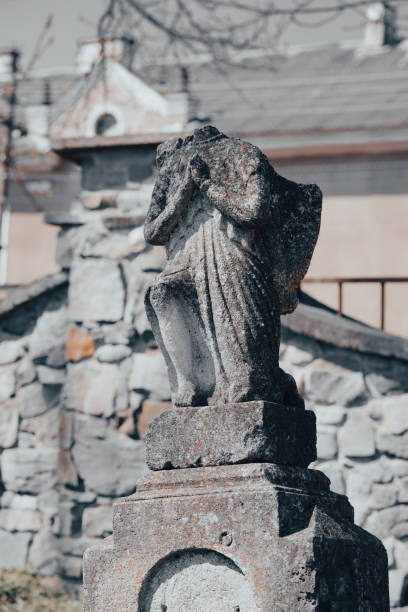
point(81, 377)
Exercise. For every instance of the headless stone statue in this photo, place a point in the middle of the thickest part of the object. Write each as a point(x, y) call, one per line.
point(239, 239)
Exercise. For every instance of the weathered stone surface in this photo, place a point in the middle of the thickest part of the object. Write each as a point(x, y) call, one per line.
point(388, 521)
point(66, 429)
point(71, 567)
point(400, 552)
point(90, 387)
point(135, 201)
point(108, 461)
point(329, 415)
point(77, 546)
point(80, 344)
point(239, 239)
point(326, 442)
point(51, 331)
point(66, 518)
point(73, 241)
point(397, 580)
point(31, 400)
point(219, 522)
point(13, 549)
point(44, 428)
point(389, 544)
point(394, 414)
point(19, 502)
point(150, 409)
point(96, 291)
point(10, 351)
point(48, 502)
point(403, 490)
point(330, 386)
point(333, 471)
point(357, 437)
point(121, 393)
point(97, 521)
point(67, 472)
point(50, 376)
point(380, 385)
point(112, 352)
point(7, 382)
point(118, 333)
point(236, 433)
point(29, 469)
point(297, 356)
point(12, 519)
point(149, 373)
point(25, 371)
point(44, 555)
point(384, 495)
point(393, 444)
point(8, 423)
point(97, 199)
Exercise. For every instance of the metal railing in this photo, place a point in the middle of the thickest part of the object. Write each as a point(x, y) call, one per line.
point(340, 281)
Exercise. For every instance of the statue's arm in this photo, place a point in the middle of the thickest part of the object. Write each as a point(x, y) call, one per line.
point(245, 204)
point(166, 207)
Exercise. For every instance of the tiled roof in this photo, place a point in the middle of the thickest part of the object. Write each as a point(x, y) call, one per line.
point(330, 88)
point(324, 89)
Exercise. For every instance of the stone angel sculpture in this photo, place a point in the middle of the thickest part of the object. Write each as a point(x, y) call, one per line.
point(239, 239)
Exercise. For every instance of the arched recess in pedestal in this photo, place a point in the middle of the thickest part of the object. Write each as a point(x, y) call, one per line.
point(199, 580)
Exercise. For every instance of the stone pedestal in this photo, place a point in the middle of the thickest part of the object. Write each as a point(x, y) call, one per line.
point(248, 537)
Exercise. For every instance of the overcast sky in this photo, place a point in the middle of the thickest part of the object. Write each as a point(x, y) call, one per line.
point(22, 21)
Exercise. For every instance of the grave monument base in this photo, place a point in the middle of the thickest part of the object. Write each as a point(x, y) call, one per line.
point(236, 538)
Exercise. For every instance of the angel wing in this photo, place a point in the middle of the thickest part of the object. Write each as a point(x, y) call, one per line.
point(299, 211)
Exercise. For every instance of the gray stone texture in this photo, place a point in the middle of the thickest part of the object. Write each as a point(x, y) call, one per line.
point(9, 418)
point(299, 551)
point(90, 387)
point(239, 239)
point(14, 549)
point(29, 469)
point(108, 461)
point(235, 433)
point(148, 372)
point(7, 382)
point(51, 330)
point(330, 386)
point(97, 522)
point(10, 351)
point(44, 554)
point(96, 291)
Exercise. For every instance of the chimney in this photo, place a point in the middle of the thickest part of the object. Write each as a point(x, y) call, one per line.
point(121, 50)
point(381, 25)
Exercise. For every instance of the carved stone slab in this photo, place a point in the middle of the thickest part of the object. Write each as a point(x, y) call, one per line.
point(237, 538)
point(233, 433)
